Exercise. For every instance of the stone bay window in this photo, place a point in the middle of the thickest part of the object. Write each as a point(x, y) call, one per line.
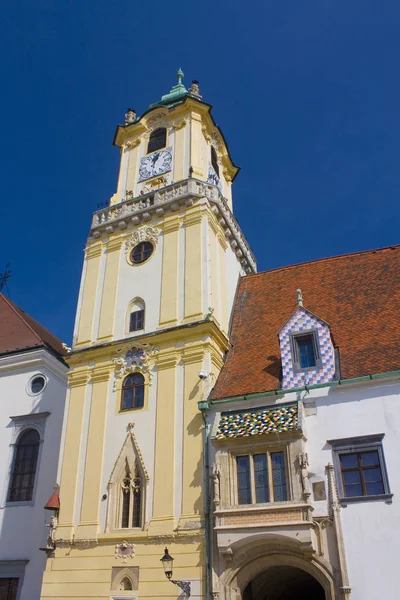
point(260, 476)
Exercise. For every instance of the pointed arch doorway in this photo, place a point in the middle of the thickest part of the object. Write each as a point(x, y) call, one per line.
point(284, 583)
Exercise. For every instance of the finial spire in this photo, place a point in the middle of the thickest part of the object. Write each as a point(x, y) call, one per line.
point(180, 75)
point(299, 294)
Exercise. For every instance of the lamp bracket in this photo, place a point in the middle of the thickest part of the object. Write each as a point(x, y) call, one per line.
point(184, 585)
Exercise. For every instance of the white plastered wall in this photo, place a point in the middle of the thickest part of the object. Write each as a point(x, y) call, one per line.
point(22, 527)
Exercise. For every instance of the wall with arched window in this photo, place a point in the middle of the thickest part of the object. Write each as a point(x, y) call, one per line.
point(157, 140)
point(132, 392)
point(24, 466)
point(136, 316)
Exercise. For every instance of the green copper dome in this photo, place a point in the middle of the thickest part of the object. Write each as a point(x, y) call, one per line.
point(176, 93)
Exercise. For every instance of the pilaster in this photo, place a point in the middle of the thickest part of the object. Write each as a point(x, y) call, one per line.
point(77, 379)
point(107, 310)
point(192, 485)
point(92, 258)
point(196, 139)
point(170, 274)
point(87, 528)
point(194, 268)
point(162, 521)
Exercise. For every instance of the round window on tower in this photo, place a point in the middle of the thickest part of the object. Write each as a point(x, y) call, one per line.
point(141, 253)
point(36, 385)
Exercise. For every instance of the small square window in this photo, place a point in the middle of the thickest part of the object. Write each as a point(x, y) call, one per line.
point(305, 351)
point(360, 468)
point(136, 321)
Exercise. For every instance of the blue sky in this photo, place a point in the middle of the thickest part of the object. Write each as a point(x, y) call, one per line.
point(306, 93)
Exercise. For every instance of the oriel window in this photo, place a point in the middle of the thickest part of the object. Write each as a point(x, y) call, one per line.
point(158, 139)
point(24, 467)
point(132, 392)
point(261, 478)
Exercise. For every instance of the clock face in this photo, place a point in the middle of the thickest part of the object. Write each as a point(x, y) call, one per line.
point(213, 178)
point(155, 164)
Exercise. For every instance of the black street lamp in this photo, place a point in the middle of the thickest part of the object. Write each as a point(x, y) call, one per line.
point(167, 561)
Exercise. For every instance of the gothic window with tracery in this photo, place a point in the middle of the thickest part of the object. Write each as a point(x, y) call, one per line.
point(158, 139)
point(131, 499)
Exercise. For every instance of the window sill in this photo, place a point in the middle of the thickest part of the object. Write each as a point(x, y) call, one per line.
point(386, 497)
point(24, 503)
point(121, 534)
point(257, 508)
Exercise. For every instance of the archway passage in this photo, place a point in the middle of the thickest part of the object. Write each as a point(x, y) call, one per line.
point(284, 583)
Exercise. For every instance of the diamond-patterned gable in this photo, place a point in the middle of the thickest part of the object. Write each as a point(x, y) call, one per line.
point(260, 421)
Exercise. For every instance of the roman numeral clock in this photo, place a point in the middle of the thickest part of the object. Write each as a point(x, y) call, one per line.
point(154, 164)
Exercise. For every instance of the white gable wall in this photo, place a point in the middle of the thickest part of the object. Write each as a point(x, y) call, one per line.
point(22, 527)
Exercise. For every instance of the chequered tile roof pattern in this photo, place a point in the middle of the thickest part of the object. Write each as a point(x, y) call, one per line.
point(358, 295)
point(302, 320)
point(258, 421)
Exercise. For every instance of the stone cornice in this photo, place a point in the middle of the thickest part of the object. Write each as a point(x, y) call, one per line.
point(159, 338)
point(172, 198)
point(33, 359)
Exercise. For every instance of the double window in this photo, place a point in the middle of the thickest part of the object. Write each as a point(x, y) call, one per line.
point(305, 351)
point(360, 468)
point(24, 466)
point(131, 499)
point(132, 392)
point(261, 478)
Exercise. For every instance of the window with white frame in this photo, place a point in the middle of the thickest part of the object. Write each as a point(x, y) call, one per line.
point(261, 477)
point(360, 468)
point(26, 446)
point(305, 351)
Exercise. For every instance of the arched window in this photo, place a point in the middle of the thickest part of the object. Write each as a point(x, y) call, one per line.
point(131, 500)
point(136, 315)
point(24, 467)
point(214, 160)
point(132, 391)
point(158, 139)
point(126, 584)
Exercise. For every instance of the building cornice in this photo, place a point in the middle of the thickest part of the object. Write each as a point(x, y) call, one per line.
point(162, 337)
point(33, 359)
point(171, 198)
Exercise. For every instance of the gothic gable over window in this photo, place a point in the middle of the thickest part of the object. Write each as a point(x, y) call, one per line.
point(127, 487)
point(307, 352)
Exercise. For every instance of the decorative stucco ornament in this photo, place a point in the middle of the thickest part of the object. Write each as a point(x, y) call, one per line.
point(130, 116)
point(142, 234)
point(135, 358)
point(194, 89)
point(158, 120)
point(124, 550)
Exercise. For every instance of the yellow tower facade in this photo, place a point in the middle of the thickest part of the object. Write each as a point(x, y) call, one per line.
point(160, 272)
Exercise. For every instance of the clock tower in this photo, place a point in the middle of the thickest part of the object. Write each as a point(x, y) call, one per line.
point(160, 272)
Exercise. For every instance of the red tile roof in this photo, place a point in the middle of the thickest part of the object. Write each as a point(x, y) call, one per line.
point(358, 295)
point(19, 331)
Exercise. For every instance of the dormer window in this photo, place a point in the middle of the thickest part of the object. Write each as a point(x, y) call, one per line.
point(214, 160)
point(305, 351)
point(158, 139)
